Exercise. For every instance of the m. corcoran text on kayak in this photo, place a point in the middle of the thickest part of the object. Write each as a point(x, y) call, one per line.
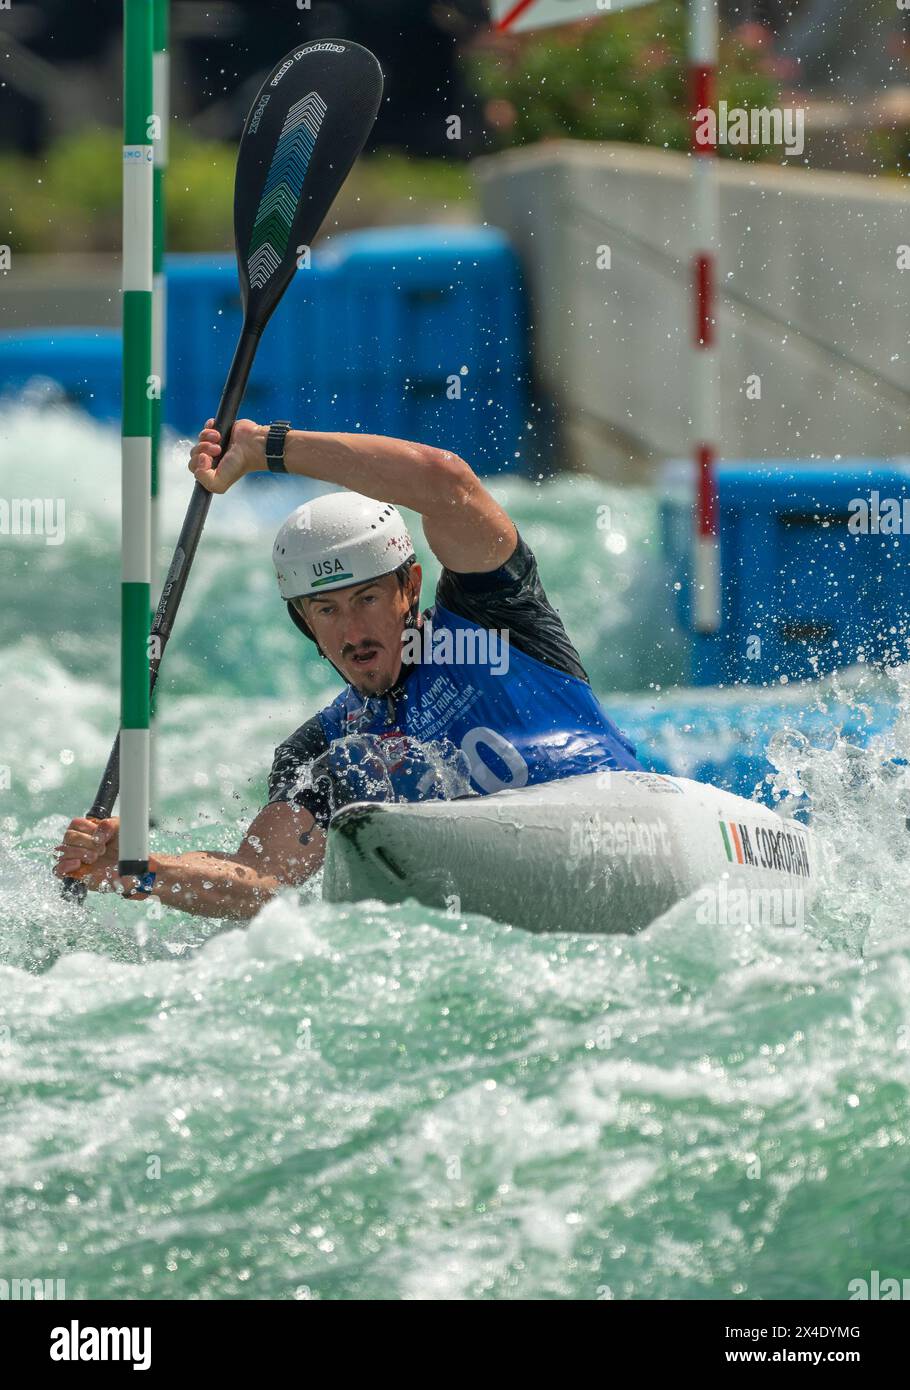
point(481, 692)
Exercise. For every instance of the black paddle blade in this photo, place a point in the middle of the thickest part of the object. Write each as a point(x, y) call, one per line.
point(308, 124)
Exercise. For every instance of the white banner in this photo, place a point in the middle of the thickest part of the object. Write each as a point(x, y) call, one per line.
point(518, 16)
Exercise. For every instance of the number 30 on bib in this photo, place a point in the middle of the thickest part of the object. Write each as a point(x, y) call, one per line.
point(506, 752)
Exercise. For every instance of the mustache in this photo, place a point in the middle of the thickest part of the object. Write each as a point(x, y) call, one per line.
point(360, 649)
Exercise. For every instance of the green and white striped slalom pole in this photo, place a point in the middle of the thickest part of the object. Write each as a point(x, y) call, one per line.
point(138, 197)
point(161, 104)
point(161, 108)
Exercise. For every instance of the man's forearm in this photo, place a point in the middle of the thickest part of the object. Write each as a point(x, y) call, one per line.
point(400, 471)
point(207, 884)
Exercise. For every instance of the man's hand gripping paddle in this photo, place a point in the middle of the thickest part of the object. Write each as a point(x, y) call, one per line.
point(306, 128)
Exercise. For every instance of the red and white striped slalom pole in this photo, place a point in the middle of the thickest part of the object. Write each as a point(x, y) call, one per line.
point(703, 49)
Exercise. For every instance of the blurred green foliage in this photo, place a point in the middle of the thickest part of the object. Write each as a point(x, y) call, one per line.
point(70, 200)
point(890, 150)
point(624, 77)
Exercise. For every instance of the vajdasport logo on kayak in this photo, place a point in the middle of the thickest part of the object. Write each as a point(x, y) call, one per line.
point(475, 646)
point(31, 1290)
point(720, 905)
point(878, 1288)
point(619, 839)
point(878, 516)
point(762, 126)
point(34, 516)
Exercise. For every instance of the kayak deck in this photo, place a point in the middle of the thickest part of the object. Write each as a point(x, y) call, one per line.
point(605, 852)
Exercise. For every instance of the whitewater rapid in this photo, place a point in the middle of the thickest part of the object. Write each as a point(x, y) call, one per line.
point(357, 1102)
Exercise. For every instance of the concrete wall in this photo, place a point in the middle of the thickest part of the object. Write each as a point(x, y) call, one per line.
point(61, 292)
point(812, 302)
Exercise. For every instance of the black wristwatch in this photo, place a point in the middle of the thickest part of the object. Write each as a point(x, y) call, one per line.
point(274, 445)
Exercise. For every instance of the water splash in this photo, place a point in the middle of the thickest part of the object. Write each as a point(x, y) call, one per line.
point(368, 1101)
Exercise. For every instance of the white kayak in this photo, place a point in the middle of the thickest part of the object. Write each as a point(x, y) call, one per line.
point(605, 852)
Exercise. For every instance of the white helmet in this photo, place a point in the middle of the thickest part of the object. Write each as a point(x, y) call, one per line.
point(336, 541)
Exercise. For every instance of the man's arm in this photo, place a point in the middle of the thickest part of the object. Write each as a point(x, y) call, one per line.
point(465, 528)
point(282, 848)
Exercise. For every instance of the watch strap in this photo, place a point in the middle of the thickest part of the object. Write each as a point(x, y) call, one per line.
point(274, 445)
point(144, 884)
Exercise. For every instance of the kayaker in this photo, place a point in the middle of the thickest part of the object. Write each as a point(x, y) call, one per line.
point(480, 692)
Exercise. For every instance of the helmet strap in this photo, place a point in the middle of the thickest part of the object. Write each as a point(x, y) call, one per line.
point(414, 610)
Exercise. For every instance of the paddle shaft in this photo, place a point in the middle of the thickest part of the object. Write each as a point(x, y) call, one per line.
point(306, 128)
point(179, 571)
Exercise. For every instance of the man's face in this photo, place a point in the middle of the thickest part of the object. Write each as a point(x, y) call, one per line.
point(359, 628)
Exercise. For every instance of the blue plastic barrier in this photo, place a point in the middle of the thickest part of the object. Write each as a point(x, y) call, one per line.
point(724, 740)
point(418, 332)
point(802, 593)
point(424, 302)
point(78, 365)
point(203, 324)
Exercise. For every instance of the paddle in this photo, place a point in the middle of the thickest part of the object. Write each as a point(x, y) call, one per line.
point(306, 127)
